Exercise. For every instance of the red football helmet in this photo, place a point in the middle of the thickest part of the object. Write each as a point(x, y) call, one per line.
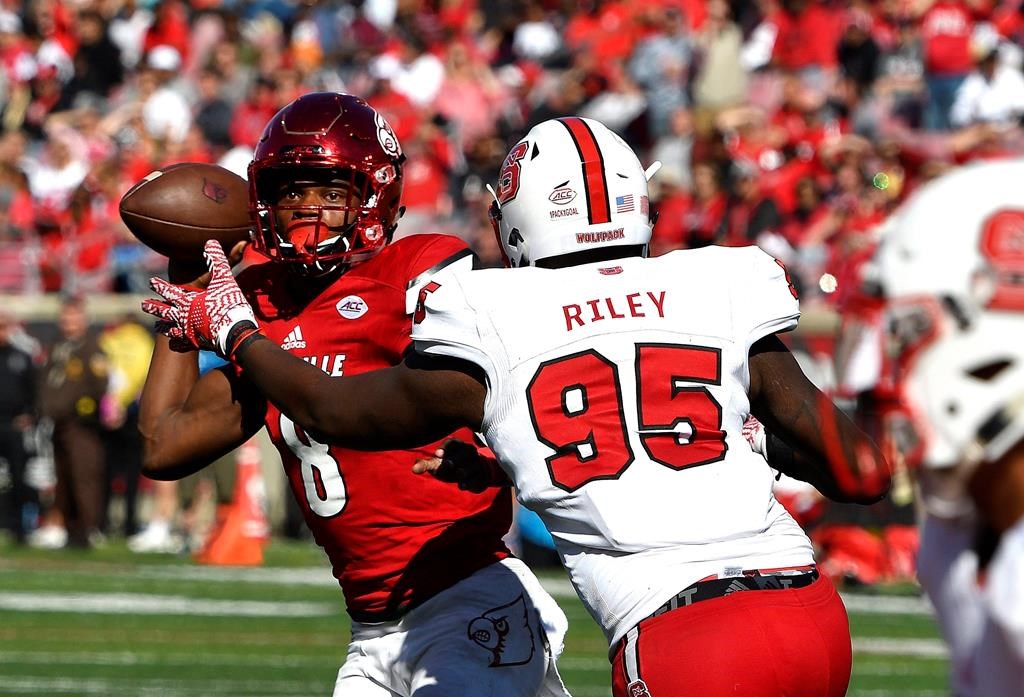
point(327, 136)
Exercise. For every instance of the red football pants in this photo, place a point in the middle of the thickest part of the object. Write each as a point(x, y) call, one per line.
point(756, 643)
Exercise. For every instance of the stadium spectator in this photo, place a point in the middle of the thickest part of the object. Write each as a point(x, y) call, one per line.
point(165, 113)
point(946, 27)
point(128, 346)
point(719, 80)
point(993, 92)
point(253, 112)
point(17, 417)
point(751, 211)
point(74, 382)
point(661, 65)
point(98, 67)
point(213, 113)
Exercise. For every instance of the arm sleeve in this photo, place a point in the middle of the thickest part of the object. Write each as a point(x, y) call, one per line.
point(441, 252)
point(446, 323)
point(766, 302)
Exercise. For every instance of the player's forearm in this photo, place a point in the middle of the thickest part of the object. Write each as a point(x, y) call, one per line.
point(170, 379)
point(826, 443)
point(344, 411)
point(815, 470)
point(376, 410)
point(185, 425)
point(306, 395)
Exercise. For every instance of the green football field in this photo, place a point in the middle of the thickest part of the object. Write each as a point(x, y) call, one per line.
point(121, 625)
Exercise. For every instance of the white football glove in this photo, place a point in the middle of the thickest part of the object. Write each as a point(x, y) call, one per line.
point(753, 431)
point(217, 318)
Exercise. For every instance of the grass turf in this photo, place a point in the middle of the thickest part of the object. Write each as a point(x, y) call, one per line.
point(112, 623)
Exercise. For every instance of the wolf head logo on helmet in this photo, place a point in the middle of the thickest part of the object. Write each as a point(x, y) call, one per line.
point(326, 139)
point(558, 188)
point(949, 268)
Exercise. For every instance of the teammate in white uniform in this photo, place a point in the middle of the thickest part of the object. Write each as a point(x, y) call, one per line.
point(612, 388)
point(950, 267)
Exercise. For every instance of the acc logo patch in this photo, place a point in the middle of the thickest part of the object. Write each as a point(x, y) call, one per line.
point(352, 307)
point(562, 196)
point(505, 632)
point(214, 191)
point(637, 688)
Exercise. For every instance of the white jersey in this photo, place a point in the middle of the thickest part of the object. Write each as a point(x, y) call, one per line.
point(616, 395)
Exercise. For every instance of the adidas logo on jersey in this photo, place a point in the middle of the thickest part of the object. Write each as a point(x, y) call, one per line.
point(294, 340)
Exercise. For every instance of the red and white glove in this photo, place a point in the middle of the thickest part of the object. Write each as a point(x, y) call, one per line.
point(218, 318)
point(753, 431)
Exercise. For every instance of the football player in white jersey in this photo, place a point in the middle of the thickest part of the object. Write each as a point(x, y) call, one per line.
point(612, 388)
point(951, 268)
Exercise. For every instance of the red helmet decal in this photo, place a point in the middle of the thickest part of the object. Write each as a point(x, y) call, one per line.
point(508, 180)
point(1002, 245)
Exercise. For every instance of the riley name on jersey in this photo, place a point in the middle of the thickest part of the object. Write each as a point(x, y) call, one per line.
point(619, 307)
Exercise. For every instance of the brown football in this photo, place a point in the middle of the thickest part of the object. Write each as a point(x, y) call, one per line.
point(174, 210)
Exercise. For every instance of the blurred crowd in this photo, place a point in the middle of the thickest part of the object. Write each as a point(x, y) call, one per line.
point(795, 125)
point(71, 450)
point(792, 124)
point(69, 440)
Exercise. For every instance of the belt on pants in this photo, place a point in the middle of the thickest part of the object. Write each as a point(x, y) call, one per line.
point(754, 580)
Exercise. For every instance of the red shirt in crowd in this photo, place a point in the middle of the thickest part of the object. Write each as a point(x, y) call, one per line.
point(426, 174)
point(807, 38)
point(397, 110)
point(608, 36)
point(170, 28)
point(946, 32)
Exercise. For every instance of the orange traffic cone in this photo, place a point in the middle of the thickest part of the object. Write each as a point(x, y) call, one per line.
point(241, 529)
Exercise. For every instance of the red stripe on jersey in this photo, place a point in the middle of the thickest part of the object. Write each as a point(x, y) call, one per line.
point(598, 207)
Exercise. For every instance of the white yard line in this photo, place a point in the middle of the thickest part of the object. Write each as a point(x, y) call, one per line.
point(919, 648)
point(50, 687)
point(146, 604)
point(161, 658)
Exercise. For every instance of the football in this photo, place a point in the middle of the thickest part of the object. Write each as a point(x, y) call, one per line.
point(174, 210)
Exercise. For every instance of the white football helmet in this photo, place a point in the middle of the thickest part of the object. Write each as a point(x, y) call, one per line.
point(570, 185)
point(951, 267)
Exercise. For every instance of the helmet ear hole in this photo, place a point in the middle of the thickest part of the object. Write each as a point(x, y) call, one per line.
point(989, 371)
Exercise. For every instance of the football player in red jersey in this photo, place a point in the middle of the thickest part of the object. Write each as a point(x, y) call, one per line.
point(613, 389)
point(438, 604)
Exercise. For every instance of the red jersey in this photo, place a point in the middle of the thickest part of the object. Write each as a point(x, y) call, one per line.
point(394, 538)
point(946, 29)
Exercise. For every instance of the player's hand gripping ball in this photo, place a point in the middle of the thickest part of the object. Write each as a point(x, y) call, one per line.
point(216, 318)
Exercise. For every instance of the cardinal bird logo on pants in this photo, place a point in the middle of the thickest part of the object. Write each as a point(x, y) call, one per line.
point(505, 632)
point(637, 688)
